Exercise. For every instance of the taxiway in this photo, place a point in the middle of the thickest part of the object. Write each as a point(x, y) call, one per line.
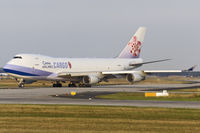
point(53, 96)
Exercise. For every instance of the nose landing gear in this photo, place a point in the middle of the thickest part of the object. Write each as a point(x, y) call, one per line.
point(20, 83)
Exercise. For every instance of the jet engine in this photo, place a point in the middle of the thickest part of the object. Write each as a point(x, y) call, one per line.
point(136, 76)
point(91, 79)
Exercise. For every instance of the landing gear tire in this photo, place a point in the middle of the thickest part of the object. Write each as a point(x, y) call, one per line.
point(57, 85)
point(72, 85)
point(21, 85)
point(84, 85)
point(88, 85)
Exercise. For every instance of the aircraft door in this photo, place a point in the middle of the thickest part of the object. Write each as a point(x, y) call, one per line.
point(36, 64)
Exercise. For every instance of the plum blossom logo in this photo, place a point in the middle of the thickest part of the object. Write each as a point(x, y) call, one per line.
point(70, 65)
point(135, 46)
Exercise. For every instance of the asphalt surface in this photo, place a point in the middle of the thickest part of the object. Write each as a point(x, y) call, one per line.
point(86, 96)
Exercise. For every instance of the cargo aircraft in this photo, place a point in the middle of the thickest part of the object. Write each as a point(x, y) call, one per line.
point(28, 68)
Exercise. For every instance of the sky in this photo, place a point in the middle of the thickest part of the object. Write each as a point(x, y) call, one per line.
point(101, 29)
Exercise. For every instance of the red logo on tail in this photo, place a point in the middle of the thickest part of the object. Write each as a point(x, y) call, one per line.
point(70, 65)
point(135, 46)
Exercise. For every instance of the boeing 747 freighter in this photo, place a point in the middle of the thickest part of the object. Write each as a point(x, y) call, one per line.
point(28, 68)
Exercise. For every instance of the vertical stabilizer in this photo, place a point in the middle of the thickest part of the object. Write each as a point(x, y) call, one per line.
point(133, 48)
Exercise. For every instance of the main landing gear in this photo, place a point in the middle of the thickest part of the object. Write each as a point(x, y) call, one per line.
point(57, 84)
point(84, 85)
point(73, 84)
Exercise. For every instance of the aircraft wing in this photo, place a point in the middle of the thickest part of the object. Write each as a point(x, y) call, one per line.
point(106, 73)
point(139, 64)
point(102, 74)
point(74, 74)
point(95, 77)
point(121, 72)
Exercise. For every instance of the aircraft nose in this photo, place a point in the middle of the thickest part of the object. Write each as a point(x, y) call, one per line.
point(5, 68)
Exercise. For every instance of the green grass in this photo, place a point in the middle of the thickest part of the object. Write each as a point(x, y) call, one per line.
point(186, 90)
point(140, 96)
point(96, 119)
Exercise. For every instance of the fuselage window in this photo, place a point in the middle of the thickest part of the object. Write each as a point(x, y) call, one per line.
point(17, 57)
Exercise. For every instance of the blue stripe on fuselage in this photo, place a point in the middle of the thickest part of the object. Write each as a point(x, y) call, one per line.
point(19, 73)
point(24, 71)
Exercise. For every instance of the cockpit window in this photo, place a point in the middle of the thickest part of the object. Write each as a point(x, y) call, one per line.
point(17, 57)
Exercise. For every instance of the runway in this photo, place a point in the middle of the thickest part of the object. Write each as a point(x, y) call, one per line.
point(48, 96)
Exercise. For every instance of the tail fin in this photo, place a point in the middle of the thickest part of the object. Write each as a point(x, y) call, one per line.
point(133, 48)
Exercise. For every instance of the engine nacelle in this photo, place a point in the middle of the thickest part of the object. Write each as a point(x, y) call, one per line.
point(136, 76)
point(91, 79)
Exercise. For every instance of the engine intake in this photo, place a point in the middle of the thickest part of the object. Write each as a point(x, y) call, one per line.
point(91, 79)
point(135, 77)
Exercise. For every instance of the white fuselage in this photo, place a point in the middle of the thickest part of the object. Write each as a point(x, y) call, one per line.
point(32, 66)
